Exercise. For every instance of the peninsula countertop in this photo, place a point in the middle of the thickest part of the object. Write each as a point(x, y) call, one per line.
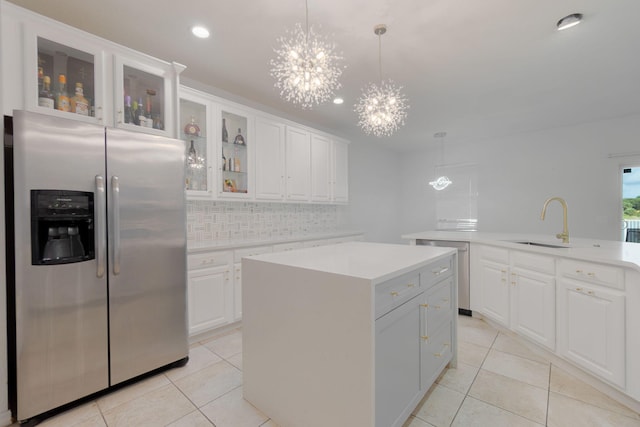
point(623, 254)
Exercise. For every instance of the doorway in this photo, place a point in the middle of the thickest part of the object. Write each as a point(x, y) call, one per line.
point(631, 204)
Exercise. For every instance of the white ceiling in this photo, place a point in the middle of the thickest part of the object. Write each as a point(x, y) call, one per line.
point(475, 69)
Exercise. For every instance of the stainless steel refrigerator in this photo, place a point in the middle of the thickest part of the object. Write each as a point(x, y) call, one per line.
point(96, 259)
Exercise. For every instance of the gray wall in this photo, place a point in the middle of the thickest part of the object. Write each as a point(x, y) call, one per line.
point(516, 174)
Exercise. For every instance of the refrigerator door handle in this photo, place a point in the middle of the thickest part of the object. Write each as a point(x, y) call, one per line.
point(115, 188)
point(101, 226)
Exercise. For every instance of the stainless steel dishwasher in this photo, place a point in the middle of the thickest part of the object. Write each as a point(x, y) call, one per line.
point(464, 306)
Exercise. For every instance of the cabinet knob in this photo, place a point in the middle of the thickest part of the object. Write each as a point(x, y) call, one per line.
point(590, 293)
point(410, 285)
point(437, 354)
point(424, 305)
point(394, 294)
point(579, 271)
point(591, 274)
point(425, 337)
point(579, 289)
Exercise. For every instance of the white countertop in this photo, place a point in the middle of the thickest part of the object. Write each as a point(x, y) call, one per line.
point(218, 245)
point(372, 261)
point(622, 254)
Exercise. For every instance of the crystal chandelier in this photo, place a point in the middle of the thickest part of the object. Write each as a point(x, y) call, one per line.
point(382, 108)
point(306, 67)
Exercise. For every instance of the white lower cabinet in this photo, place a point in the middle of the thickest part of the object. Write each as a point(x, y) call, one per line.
point(591, 328)
point(494, 291)
point(209, 291)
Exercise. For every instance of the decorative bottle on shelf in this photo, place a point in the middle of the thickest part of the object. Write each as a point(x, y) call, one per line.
point(239, 138)
point(134, 113)
point(79, 103)
point(192, 156)
point(142, 120)
point(40, 79)
point(236, 161)
point(128, 116)
point(225, 134)
point(148, 116)
point(192, 128)
point(46, 98)
point(63, 97)
point(224, 162)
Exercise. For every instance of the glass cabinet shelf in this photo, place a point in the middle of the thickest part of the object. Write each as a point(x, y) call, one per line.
point(235, 158)
point(194, 132)
point(143, 98)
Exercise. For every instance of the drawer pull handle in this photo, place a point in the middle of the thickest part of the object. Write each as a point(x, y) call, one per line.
point(437, 307)
point(579, 271)
point(590, 293)
point(437, 354)
point(439, 272)
point(503, 271)
point(424, 305)
point(579, 289)
point(394, 294)
point(411, 285)
point(591, 274)
point(425, 337)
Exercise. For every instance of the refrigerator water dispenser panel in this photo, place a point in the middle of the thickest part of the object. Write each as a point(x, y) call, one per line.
point(62, 227)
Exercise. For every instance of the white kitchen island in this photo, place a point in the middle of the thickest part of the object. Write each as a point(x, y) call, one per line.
point(352, 334)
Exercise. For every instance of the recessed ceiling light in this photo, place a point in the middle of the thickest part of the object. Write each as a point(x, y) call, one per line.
point(338, 101)
point(200, 31)
point(569, 21)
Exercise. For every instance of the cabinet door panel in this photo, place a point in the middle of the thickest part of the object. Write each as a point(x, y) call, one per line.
point(341, 172)
point(495, 291)
point(298, 153)
point(591, 329)
point(320, 168)
point(270, 160)
point(533, 306)
point(207, 298)
point(397, 361)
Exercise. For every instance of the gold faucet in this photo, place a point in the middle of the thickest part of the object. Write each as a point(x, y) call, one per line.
point(565, 229)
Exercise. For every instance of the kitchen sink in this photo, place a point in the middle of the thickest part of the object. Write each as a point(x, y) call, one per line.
point(546, 245)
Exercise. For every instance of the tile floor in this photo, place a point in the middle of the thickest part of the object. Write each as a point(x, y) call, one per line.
point(498, 382)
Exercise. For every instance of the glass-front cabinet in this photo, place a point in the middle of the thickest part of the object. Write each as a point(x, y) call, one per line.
point(196, 132)
point(64, 75)
point(236, 165)
point(143, 95)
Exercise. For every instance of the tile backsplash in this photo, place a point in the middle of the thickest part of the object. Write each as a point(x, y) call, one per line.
point(220, 220)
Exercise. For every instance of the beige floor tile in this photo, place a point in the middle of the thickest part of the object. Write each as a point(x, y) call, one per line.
point(515, 396)
point(474, 413)
point(226, 345)
point(479, 334)
point(236, 360)
point(566, 384)
point(564, 411)
point(199, 357)
point(132, 391)
point(194, 419)
point(512, 345)
point(157, 408)
point(471, 354)
point(84, 415)
point(210, 383)
point(231, 410)
point(518, 368)
point(459, 378)
point(440, 406)
point(416, 422)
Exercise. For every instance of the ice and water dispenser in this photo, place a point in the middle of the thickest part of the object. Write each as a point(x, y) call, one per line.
point(62, 227)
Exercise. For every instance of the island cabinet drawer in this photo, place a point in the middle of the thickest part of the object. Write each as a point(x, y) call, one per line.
point(238, 254)
point(436, 272)
point(491, 253)
point(394, 292)
point(209, 259)
point(534, 262)
point(437, 307)
point(605, 275)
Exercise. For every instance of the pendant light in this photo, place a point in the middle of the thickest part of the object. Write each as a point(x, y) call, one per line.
point(442, 181)
point(306, 67)
point(382, 108)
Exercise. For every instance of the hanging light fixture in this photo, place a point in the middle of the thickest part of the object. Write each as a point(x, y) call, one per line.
point(382, 108)
point(441, 182)
point(306, 67)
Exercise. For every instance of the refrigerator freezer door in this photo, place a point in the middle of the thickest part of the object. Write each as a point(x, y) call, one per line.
point(147, 252)
point(61, 310)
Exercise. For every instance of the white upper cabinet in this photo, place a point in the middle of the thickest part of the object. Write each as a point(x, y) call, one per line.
point(321, 168)
point(54, 56)
point(69, 73)
point(340, 172)
point(298, 164)
point(270, 159)
point(236, 142)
